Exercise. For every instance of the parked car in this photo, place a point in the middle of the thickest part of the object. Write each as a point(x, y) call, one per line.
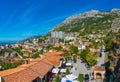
point(82, 61)
point(88, 66)
point(92, 77)
point(87, 78)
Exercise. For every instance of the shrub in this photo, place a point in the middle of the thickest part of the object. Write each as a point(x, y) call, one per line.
point(80, 77)
point(67, 71)
point(66, 59)
point(74, 59)
point(57, 79)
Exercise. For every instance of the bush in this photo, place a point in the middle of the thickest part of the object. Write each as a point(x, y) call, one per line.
point(66, 59)
point(57, 79)
point(83, 54)
point(58, 48)
point(92, 60)
point(74, 49)
point(66, 54)
point(74, 59)
point(8, 65)
point(36, 55)
point(80, 77)
point(67, 71)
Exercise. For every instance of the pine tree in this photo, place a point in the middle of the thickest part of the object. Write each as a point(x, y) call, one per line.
point(67, 71)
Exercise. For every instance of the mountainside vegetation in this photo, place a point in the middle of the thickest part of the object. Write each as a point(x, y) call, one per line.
point(93, 20)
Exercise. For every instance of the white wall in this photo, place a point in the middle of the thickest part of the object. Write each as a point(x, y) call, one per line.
point(0, 79)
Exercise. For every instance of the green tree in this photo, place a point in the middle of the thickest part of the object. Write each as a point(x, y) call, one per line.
point(49, 46)
point(83, 54)
point(18, 50)
point(74, 59)
point(66, 54)
point(74, 49)
point(67, 71)
point(108, 40)
point(40, 40)
point(108, 45)
point(62, 40)
point(36, 55)
point(92, 60)
point(80, 77)
point(58, 48)
point(7, 50)
point(44, 81)
point(8, 65)
point(57, 79)
point(66, 59)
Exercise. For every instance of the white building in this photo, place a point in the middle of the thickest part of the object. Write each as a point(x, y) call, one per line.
point(81, 47)
point(70, 38)
point(58, 34)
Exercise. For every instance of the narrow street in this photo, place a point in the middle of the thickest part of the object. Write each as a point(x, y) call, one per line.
point(101, 59)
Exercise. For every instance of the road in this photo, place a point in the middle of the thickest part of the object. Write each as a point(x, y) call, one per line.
point(101, 59)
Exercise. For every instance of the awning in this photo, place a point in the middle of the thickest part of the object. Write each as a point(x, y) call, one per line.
point(75, 81)
point(68, 64)
point(64, 79)
point(55, 70)
point(63, 61)
point(71, 77)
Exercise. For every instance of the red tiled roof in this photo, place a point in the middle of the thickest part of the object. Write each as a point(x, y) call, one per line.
point(41, 68)
point(99, 68)
point(36, 68)
point(25, 75)
point(26, 72)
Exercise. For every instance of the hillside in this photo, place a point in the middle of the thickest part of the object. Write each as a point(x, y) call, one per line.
point(94, 19)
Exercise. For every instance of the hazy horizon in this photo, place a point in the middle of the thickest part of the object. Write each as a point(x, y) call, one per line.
point(20, 19)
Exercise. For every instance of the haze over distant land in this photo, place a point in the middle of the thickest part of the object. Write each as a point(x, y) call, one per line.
point(20, 19)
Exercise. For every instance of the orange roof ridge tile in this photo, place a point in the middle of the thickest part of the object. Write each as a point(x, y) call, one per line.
point(35, 71)
point(11, 71)
point(47, 62)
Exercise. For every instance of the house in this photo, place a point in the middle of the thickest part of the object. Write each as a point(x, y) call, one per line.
point(54, 58)
point(81, 47)
point(14, 54)
point(99, 72)
point(70, 38)
point(36, 71)
point(7, 54)
point(35, 41)
point(40, 46)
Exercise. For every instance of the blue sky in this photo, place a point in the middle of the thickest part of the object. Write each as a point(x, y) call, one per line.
point(20, 19)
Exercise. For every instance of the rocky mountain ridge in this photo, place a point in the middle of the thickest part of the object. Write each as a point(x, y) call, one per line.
point(90, 20)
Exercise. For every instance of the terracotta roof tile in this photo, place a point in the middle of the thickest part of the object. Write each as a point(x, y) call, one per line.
point(37, 68)
point(10, 71)
point(99, 68)
point(41, 67)
point(25, 75)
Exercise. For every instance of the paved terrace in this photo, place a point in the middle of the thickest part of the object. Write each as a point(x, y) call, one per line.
point(81, 69)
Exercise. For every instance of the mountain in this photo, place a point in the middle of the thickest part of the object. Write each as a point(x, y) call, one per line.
point(32, 37)
point(94, 19)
